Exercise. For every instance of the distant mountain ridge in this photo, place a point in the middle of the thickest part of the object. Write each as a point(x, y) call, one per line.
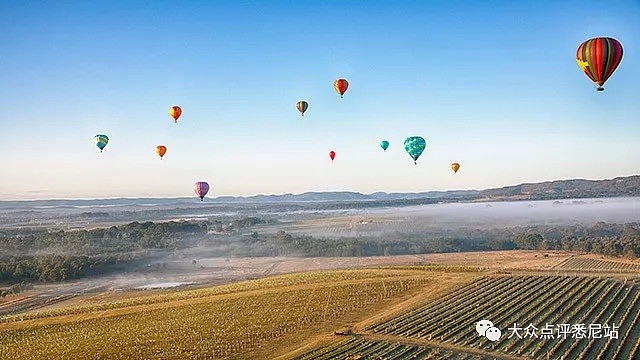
point(564, 189)
point(558, 189)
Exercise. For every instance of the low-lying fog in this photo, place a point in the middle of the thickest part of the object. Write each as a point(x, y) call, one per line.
point(528, 212)
point(414, 219)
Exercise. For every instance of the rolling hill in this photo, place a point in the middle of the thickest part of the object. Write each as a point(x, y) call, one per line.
point(559, 189)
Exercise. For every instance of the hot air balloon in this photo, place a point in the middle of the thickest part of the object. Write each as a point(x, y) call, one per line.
point(455, 167)
point(332, 155)
point(415, 145)
point(201, 189)
point(598, 58)
point(161, 150)
point(101, 141)
point(384, 145)
point(302, 106)
point(341, 86)
point(175, 112)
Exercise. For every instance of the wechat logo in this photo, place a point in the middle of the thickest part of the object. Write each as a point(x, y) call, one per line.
point(485, 328)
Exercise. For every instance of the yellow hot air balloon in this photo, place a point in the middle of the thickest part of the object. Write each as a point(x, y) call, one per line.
point(455, 167)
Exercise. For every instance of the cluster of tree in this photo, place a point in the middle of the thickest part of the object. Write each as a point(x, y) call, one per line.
point(600, 238)
point(51, 267)
point(15, 289)
point(134, 236)
point(222, 225)
point(37, 255)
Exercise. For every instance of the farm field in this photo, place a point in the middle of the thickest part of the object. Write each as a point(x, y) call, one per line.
point(239, 320)
point(424, 308)
point(506, 301)
point(536, 300)
point(588, 263)
point(365, 348)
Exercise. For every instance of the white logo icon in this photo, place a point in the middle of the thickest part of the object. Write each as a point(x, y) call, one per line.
point(482, 326)
point(486, 328)
point(493, 334)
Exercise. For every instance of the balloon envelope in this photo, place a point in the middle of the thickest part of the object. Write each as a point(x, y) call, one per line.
point(384, 145)
point(302, 106)
point(161, 150)
point(341, 86)
point(101, 141)
point(332, 155)
point(201, 188)
point(455, 167)
point(414, 146)
point(598, 58)
point(175, 112)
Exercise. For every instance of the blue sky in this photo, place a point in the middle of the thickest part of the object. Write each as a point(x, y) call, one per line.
point(491, 85)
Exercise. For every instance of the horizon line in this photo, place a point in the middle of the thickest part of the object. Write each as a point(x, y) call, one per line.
point(310, 191)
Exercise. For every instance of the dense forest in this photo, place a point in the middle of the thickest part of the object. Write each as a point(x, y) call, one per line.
point(45, 256)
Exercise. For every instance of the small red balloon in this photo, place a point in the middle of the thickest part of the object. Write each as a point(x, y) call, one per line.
point(332, 154)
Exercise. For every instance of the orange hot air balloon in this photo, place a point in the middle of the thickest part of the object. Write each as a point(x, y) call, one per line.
point(332, 155)
point(161, 150)
point(175, 112)
point(341, 86)
point(455, 167)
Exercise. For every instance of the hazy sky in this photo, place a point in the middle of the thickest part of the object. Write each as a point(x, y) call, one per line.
point(491, 85)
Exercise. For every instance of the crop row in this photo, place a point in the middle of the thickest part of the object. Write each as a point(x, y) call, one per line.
point(599, 265)
point(360, 348)
point(524, 300)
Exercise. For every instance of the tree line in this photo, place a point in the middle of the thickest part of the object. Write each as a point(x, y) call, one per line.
point(600, 238)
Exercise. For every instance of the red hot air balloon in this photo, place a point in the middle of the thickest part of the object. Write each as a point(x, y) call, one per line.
point(341, 86)
point(332, 155)
point(598, 58)
point(201, 188)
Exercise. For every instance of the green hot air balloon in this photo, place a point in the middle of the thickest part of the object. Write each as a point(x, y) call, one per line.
point(384, 145)
point(415, 145)
point(101, 141)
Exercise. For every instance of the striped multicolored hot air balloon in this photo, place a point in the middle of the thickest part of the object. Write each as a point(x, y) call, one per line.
point(201, 188)
point(161, 150)
point(175, 112)
point(414, 146)
point(341, 86)
point(101, 141)
point(302, 106)
point(598, 58)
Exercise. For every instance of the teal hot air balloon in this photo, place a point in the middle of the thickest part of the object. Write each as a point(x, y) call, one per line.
point(415, 145)
point(384, 145)
point(101, 141)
